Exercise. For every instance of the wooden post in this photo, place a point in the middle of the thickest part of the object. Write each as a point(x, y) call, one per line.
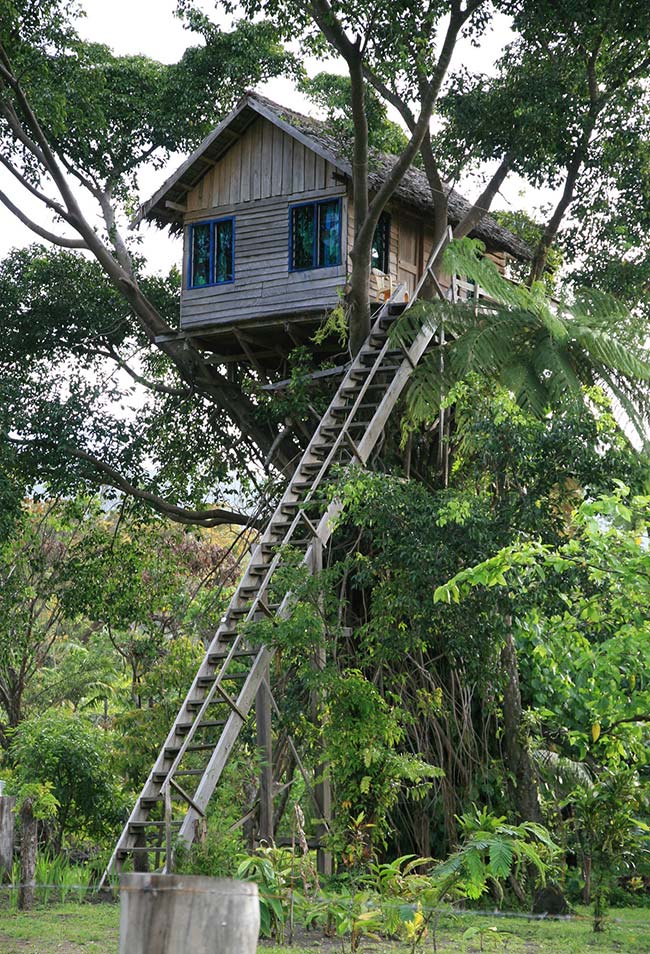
point(322, 788)
point(7, 829)
point(265, 751)
point(182, 914)
point(28, 845)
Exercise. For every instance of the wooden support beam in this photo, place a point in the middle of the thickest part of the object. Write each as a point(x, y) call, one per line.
point(265, 752)
point(251, 355)
point(322, 787)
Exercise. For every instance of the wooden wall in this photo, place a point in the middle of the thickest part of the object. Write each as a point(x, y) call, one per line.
point(256, 181)
point(265, 162)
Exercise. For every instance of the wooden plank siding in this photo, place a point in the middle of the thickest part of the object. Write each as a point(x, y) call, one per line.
point(255, 181)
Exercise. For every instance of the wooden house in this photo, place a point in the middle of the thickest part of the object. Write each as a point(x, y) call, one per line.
point(265, 210)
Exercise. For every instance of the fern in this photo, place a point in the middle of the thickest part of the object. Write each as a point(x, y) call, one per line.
point(539, 352)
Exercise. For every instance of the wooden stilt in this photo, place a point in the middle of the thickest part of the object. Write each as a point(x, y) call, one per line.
point(322, 787)
point(265, 750)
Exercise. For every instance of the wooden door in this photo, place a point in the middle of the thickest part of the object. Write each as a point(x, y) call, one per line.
point(409, 262)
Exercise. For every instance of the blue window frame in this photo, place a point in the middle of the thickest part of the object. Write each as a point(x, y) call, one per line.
point(211, 258)
point(314, 235)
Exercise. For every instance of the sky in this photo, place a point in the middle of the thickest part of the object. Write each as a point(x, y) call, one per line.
point(149, 27)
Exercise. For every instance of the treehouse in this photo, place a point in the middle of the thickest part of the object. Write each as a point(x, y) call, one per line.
point(264, 206)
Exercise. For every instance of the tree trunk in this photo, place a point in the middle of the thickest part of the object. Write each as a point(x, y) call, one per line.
point(28, 846)
point(517, 757)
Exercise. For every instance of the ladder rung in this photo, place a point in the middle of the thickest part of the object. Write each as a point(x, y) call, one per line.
point(280, 527)
point(140, 825)
point(150, 850)
point(187, 772)
point(148, 801)
point(183, 727)
point(213, 658)
point(258, 569)
point(229, 677)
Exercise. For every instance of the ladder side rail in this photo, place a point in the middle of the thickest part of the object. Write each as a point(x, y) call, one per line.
point(209, 696)
point(227, 739)
point(217, 761)
point(324, 531)
point(358, 400)
point(292, 496)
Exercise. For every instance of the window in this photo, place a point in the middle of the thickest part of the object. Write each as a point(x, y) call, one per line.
point(314, 235)
point(212, 253)
point(380, 255)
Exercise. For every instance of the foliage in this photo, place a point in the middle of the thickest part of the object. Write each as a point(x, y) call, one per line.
point(588, 659)
point(64, 751)
point(331, 92)
point(612, 837)
point(368, 772)
point(91, 595)
point(541, 353)
point(271, 869)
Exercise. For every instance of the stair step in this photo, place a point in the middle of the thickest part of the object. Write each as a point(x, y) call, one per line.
point(149, 801)
point(214, 658)
point(141, 825)
point(300, 485)
point(205, 681)
point(172, 751)
point(184, 727)
point(125, 852)
point(257, 569)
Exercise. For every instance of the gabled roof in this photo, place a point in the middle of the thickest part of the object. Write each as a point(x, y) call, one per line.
point(166, 206)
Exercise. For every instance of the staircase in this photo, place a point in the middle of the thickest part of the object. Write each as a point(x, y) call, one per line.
point(190, 763)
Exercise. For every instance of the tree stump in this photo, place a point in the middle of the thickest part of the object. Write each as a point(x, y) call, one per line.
point(178, 914)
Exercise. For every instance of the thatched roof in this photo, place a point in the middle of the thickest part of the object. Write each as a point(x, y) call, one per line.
point(165, 207)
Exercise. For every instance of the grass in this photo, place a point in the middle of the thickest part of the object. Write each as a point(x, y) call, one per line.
point(94, 929)
point(61, 929)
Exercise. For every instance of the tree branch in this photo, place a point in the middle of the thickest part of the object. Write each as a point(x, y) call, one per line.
point(38, 229)
point(50, 203)
point(139, 379)
point(482, 205)
point(640, 717)
point(214, 517)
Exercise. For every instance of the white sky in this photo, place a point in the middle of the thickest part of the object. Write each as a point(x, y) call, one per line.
point(149, 27)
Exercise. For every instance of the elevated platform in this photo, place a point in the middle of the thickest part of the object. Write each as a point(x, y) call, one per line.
point(263, 342)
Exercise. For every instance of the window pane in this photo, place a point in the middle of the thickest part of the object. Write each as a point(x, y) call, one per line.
point(381, 244)
point(329, 233)
point(200, 255)
point(223, 253)
point(302, 236)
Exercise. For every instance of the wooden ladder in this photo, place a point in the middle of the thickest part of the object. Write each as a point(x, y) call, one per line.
point(176, 794)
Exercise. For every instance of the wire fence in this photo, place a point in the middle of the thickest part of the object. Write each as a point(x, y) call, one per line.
point(51, 893)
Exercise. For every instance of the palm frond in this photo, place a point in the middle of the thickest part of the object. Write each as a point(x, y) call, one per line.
point(560, 770)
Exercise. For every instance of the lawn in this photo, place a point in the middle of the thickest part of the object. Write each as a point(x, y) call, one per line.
point(94, 929)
